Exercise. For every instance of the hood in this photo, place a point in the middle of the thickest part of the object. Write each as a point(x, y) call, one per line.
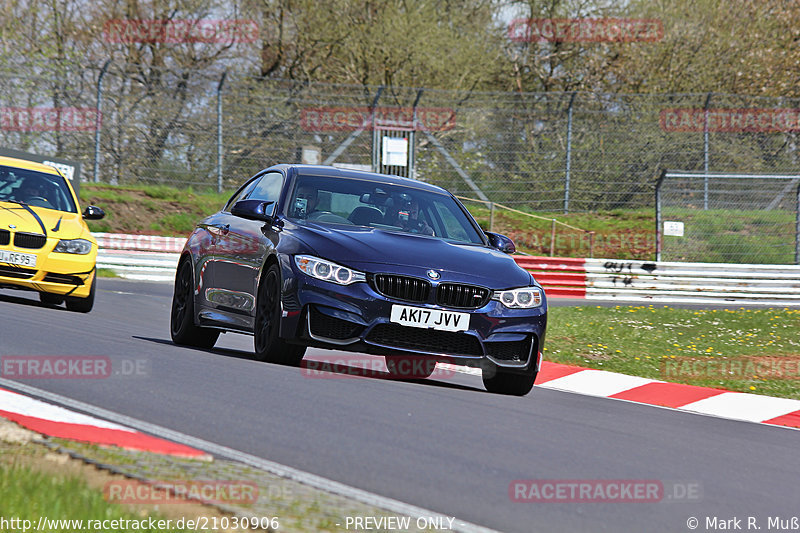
point(369, 249)
point(31, 219)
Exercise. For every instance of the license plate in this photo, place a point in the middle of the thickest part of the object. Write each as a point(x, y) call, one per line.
point(28, 260)
point(419, 317)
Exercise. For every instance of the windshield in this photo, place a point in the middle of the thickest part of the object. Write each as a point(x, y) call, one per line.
point(383, 206)
point(36, 189)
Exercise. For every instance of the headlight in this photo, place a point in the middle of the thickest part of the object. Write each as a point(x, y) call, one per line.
point(327, 271)
point(524, 298)
point(73, 246)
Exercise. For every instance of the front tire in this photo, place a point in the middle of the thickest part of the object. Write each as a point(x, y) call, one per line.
point(182, 328)
point(269, 347)
point(81, 305)
point(500, 381)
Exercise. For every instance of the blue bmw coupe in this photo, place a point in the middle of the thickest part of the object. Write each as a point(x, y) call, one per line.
point(341, 259)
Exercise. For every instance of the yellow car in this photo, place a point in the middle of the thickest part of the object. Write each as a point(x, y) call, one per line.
point(45, 245)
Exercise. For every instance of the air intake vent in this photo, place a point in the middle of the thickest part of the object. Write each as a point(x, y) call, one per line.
point(32, 241)
point(515, 351)
point(402, 287)
point(17, 272)
point(462, 296)
point(63, 278)
point(424, 340)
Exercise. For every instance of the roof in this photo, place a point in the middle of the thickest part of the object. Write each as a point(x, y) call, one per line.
point(335, 172)
point(28, 165)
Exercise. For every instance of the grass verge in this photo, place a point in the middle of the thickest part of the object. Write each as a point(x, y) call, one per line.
point(745, 350)
point(106, 273)
point(65, 503)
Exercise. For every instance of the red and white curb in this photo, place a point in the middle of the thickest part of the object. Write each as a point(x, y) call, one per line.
point(55, 421)
point(702, 400)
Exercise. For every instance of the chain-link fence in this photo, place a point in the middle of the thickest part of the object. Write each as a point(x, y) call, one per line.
point(549, 152)
point(728, 218)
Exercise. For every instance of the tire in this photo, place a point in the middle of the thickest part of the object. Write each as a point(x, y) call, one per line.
point(82, 305)
point(182, 328)
point(268, 345)
point(410, 367)
point(499, 381)
point(51, 299)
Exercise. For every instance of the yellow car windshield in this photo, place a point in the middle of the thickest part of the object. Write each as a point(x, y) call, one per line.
point(34, 188)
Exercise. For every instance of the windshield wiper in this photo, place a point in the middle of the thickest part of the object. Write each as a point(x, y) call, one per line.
point(9, 200)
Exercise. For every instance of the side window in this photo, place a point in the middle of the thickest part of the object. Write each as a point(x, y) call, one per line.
point(238, 195)
point(268, 189)
point(452, 226)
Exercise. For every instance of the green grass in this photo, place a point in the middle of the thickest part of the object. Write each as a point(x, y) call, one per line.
point(106, 273)
point(156, 209)
point(619, 234)
point(28, 495)
point(723, 236)
point(656, 342)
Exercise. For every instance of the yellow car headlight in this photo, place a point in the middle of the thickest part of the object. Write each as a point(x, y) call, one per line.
point(73, 246)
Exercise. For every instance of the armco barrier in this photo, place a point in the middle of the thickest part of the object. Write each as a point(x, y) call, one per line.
point(146, 243)
point(666, 282)
point(149, 257)
point(561, 277)
point(720, 283)
point(141, 257)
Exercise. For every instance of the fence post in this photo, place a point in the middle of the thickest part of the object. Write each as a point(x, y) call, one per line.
point(219, 131)
point(553, 239)
point(491, 216)
point(797, 228)
point(376, 141)
point(569, 153)
point(98, 120)
point(412, 139)
point(705, 151)
point(659, 236)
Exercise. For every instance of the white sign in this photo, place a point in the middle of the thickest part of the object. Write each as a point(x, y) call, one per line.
point(395, 151)
point(311, 155)
point(673, 228)
point(67, 170)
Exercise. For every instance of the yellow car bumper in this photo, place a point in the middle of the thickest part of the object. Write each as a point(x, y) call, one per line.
point(54, 273)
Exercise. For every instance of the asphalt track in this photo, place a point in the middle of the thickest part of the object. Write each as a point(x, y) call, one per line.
point(445, 445)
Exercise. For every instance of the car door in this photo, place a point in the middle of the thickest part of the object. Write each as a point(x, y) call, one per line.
point(241, 247)
point(213, 228)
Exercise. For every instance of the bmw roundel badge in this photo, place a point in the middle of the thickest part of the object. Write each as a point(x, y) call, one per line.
point(433, 274)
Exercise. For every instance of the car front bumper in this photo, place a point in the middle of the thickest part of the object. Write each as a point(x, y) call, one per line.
point(54, 273)
point(357, 318)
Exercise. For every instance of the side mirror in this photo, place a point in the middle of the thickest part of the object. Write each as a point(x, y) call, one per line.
point(501, 242)
point(252, 210)
point(92, 212)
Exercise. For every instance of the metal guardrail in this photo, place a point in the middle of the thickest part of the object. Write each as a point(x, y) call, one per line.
point(139, 265)
point(717, 283)
point(152, 258)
